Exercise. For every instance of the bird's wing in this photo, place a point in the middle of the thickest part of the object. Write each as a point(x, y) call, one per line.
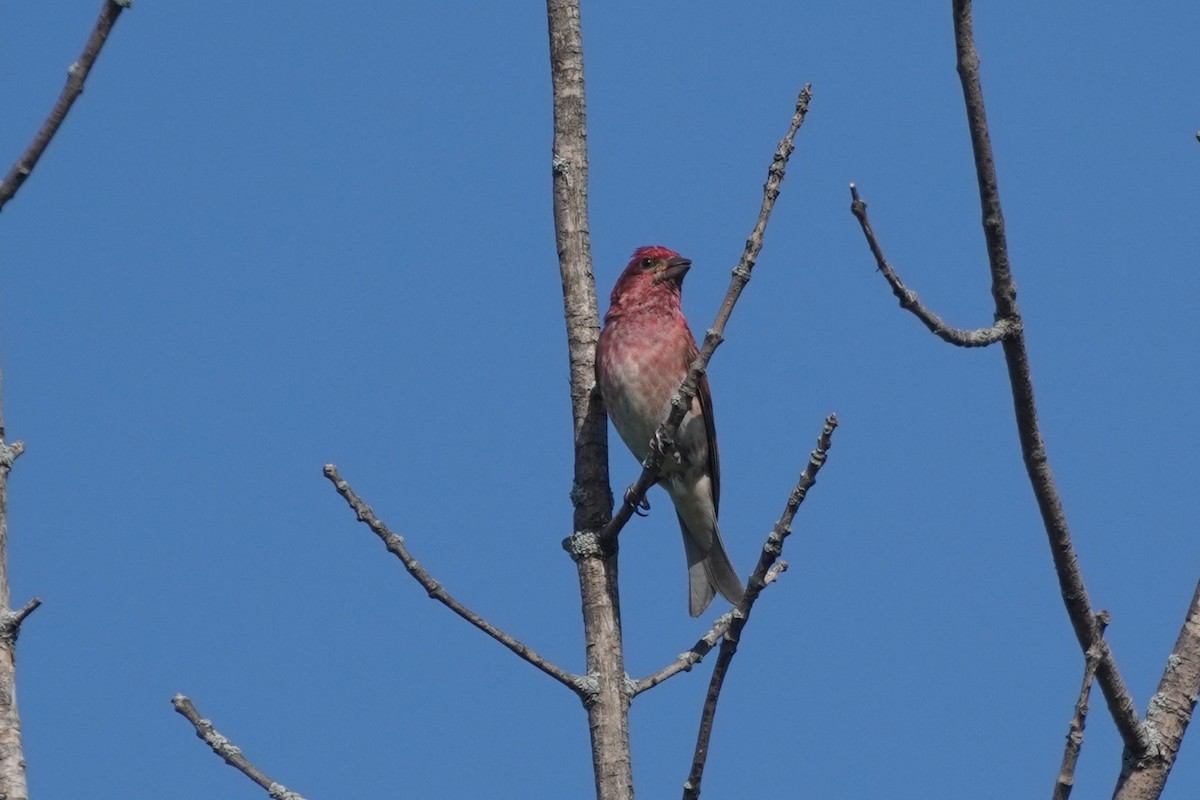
point(704, 395)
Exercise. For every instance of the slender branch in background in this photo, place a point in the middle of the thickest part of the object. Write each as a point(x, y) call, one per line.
point(1169, 713)
point(395, 545)
point(1066, 773)
point(76, 75)
point(690, 658)
point(771, 552)
point(1033, 449)
point(231, 753)
point(1012, 338)
point(980, 337)
point(682, 401)
point(595, 560)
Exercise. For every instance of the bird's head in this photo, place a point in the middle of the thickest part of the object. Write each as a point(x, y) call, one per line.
point(653, 271)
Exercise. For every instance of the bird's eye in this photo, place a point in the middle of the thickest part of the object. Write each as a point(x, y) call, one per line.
point(647, 263)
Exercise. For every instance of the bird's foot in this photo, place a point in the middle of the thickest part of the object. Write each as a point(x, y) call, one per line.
point(641, 508)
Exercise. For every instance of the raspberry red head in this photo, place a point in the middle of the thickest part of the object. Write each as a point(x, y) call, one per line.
point(653, 270)
point(654, 251)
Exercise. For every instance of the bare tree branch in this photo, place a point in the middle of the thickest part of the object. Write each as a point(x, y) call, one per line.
point(1168, 716)
point(595, 560)
point(13, 784)
point(1066, 773)
point(1011, 332)
point(1033, 449)
point(231, 753)
point(980, 337)
point(395, 545)
point(664, 437)
point(771, 552)
point(690, 658)
point(76, 75)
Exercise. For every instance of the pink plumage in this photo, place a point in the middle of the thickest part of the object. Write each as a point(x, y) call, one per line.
point(643, 356)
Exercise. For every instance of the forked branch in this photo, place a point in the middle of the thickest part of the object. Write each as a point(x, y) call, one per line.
point(772, 550)
point(1012, 338)
point(980, 337)
point(1169, 713)
point(693, 656)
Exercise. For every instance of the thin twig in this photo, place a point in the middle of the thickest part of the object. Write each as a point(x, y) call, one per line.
point(693, 656)
point(1066, 773)
point(76, 75)
point(771, 552)
point(231, 753)
point(681, 402)
point(980, 337)
point(395, 545)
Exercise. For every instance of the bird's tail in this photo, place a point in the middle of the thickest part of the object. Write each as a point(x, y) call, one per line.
point(709, 570)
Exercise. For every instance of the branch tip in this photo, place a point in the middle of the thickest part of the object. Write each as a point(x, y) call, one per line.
point(76, 75)
point(768, 569)
point(228, 751)
point(396, 546)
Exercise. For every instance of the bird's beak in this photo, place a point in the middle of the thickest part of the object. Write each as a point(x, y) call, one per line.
point(673, 270)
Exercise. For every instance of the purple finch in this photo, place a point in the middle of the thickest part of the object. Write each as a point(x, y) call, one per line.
point(643, 356)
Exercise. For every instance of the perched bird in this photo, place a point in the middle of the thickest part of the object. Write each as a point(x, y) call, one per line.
point(643, 356)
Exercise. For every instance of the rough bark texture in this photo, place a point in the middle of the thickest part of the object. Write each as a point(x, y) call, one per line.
point(608, 695)
point(12, 759)
point(227, 750)
point(1168, 716)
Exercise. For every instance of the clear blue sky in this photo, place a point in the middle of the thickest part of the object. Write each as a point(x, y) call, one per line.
point(273, 235)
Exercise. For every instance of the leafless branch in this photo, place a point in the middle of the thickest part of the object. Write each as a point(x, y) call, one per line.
point(980, 337)
point(682, 401)
point(1066, 773)
point(231, 753)
point(595, 561)
point(13, 783)
point(395, 545)
point(771, 552)
point(1168, 716)
point(76, 75)
point(1033, 449)
point(693, 656)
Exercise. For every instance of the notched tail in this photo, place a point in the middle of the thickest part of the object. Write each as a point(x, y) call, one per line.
point(709, 571)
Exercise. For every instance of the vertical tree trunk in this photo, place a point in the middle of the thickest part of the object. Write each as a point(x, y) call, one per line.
point(608, 695)
point(12, 759)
